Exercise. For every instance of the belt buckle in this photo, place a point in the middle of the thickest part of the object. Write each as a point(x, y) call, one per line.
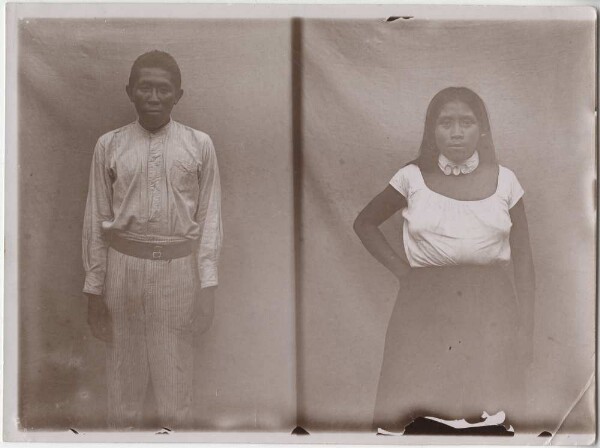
point(156, 253)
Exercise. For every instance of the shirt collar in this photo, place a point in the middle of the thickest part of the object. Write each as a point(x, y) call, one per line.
point(449, 167)
point(162, 131)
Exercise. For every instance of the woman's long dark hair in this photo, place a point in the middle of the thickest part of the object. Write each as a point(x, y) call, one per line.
point(428, 153)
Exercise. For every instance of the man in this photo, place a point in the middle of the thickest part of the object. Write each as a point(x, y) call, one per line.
point(151, 242)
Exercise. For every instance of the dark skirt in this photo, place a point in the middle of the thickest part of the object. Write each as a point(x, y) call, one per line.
point(451, 349)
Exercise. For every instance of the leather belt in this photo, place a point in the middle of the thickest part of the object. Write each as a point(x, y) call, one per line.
point(152, 251)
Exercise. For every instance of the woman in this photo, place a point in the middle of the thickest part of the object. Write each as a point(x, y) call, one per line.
point(459, 339)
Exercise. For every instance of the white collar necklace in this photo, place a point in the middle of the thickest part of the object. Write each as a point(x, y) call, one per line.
point(449, 167)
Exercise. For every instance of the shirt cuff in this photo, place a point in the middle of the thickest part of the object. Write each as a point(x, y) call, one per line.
point(208, 279)
point(93, 285)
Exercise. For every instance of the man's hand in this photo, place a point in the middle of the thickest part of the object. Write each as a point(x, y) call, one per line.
point(99, 318)
point(204, 310)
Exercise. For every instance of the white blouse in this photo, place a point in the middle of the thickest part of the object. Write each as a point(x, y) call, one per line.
point(441, 231)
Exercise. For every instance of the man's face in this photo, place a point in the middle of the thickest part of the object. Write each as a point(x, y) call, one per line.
point(154, 95)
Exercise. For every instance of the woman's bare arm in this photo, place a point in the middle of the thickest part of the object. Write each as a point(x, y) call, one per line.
point(366, 226)
point(523, 268)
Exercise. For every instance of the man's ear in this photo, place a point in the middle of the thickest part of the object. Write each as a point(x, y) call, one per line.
point(179, 95)
point(129, 92)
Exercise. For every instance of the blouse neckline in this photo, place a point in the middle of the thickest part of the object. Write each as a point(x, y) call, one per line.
point(494, 194)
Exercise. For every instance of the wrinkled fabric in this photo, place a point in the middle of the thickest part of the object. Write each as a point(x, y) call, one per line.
point(442, 231)
point(150, 304)
point(158, 187)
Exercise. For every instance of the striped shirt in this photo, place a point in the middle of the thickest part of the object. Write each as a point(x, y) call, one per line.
point(156, 187)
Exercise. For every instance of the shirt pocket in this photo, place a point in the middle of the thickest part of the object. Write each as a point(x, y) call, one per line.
point(184, 176)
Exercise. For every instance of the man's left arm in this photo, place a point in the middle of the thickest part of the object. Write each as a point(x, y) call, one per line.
point(208, 217)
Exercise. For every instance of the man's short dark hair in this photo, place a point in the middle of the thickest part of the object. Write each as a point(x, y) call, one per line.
point(156, 59)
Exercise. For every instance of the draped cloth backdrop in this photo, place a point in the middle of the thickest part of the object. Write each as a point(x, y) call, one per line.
point(367, 85)
point(235, 75)
point(318, 317)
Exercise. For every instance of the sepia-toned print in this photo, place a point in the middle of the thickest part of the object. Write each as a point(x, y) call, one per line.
point(300, 224)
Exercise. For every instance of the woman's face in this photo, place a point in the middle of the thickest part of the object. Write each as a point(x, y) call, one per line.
point(456, 131)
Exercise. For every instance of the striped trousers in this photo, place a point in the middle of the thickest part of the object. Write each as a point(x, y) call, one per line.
point(150, 303)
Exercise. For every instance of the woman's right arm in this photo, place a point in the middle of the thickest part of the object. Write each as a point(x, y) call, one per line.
point(366, 226)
